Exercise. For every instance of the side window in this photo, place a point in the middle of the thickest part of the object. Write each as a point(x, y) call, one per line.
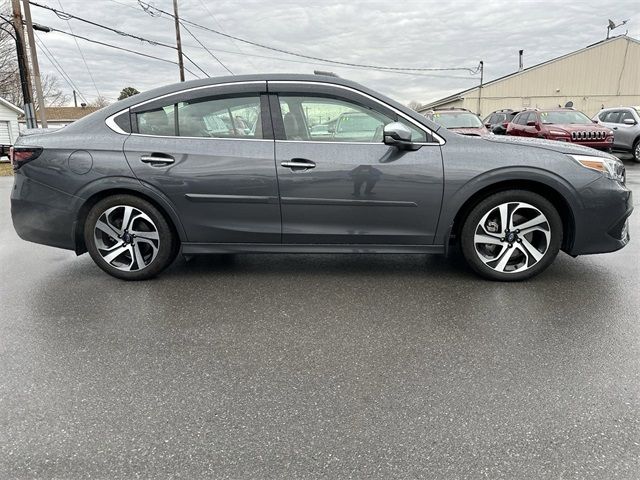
point(327, 119)
point(625, 115)
point(160, 121)
point(611, 117)
point(237, 117)
point(521, 119)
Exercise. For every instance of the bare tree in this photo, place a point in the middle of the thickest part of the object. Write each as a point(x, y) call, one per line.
point(9, 88)
point(413, 105)
point(99, 102)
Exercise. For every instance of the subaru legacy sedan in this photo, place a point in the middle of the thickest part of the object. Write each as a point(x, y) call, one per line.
point(231, 165)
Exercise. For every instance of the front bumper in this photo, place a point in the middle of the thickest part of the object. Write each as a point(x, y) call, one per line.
point(42, 214)
point(601, 225)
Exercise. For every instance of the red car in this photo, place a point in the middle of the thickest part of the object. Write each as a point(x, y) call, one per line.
point(562, 124)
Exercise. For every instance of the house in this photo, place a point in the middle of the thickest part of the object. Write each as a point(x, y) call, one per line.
point(58, 117)
point(9, 114)
point(605, 74)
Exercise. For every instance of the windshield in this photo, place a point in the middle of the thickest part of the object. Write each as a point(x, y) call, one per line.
point(564, 117)
point(457, 120)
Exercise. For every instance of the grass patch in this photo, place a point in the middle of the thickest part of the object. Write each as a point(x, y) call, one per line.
point(6, 170)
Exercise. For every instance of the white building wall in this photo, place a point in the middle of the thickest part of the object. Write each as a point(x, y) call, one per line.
point(604, 75)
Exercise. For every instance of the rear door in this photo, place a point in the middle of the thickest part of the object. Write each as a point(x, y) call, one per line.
point(348, 187)
point(210, 150)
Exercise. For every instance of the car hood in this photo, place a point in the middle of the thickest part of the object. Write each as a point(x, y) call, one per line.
point(478, 132)
point(553, 145)
point(578, 127)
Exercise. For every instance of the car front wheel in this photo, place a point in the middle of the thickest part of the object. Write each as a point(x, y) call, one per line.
point(129, 238)
point(511, 235)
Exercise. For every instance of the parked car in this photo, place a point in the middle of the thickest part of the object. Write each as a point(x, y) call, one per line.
point(113, 185)
point(562, 124)
point(358, 127)
point(497, 122)
point(625, 123)
point(458, 120)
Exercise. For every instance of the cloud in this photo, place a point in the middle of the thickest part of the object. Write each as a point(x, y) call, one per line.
point(402, 33)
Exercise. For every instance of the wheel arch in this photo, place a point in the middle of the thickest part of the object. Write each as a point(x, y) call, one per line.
point(552, 193)
point(94, 193)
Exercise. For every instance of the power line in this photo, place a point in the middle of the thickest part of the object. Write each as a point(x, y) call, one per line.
point(203, 46)
point(66, 16)
point(147, 7)
point(65, 76)
point(84, 60)
point(120, 48)
point(233, 42)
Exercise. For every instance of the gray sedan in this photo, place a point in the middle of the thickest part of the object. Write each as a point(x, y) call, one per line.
point(231, 165)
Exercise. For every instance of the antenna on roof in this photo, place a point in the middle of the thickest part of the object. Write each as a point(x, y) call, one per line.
point(612, 26)
point(326, 74)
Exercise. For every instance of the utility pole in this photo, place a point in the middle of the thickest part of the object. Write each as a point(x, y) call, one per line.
point(178, 42)
point(480, 88)
point(34, 63)
point(22, 65)
point(75, 99)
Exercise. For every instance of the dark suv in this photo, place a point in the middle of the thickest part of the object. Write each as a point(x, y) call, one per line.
point(562, 124)
point(498, 121)
point(230, 165)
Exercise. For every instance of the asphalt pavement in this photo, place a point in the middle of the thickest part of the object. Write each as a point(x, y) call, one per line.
point(318, 366)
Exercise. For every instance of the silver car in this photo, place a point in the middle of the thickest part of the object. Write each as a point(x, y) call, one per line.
point(625, 123)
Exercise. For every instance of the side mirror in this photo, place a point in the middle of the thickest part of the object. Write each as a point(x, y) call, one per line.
point(398, 135)
point(594, 120)
point(629, 121)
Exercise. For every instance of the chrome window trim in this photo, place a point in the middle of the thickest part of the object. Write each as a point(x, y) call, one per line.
point(427, 130)
point(201, 87)
point(349, 143)
point(110, 122)
point(204, 138)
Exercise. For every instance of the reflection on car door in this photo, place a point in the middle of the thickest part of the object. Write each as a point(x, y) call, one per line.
point(210, 150)
point(350, 188)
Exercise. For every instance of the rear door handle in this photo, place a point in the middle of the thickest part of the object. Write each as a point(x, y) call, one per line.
point(157, 159)
point(298, 164)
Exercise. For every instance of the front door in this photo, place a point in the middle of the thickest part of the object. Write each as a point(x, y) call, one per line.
point(211, 152)
point(339, 184)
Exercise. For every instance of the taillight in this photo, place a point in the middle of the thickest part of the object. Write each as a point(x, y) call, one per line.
point(21, 155)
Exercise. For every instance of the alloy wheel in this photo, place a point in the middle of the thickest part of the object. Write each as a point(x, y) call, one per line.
point(126, 238)
point(512, 237)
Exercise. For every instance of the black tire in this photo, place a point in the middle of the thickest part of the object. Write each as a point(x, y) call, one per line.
point(635, 153)
point(167, 243)
point(489, 204)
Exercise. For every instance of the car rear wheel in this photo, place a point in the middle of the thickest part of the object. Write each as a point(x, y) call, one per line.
point(511, 235)
point(129, 238)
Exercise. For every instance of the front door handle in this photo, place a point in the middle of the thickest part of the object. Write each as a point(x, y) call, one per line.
point(157, 159)
point(298, 164)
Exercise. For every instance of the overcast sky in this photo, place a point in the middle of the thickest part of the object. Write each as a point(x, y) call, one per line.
point(420, 34)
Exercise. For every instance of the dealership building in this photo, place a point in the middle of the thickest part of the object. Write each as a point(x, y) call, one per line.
point(605, 74)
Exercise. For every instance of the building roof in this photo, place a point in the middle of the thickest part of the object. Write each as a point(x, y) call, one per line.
point(460, 95)
point(11, 106)
point(65, 114)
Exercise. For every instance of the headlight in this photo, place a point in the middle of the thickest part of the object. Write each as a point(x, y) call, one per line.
point(610, 167)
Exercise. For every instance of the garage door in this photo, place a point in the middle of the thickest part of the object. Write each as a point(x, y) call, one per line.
point(4, 133)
